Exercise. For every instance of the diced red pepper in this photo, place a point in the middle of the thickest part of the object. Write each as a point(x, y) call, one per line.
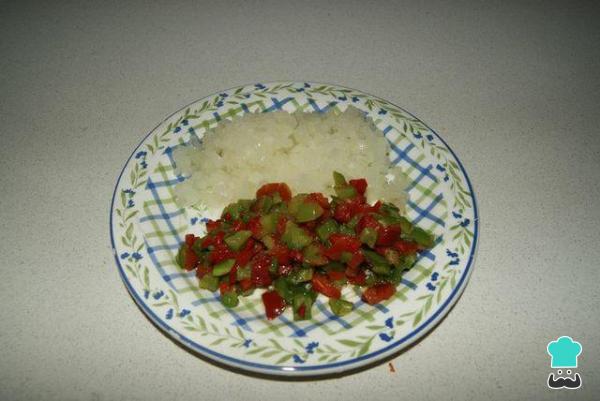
point(296, 255)
point(245, 284)
point(357, 259)
point(224, 288)
point(255, 227)
point(233, 274)
point(342, 212)
point(190, 259)
point(281, 253)
point(220, 253)
point(281, 225)
point(321, 283)
point(189, 239)
point(203, 270)
point(336, 275)
point(341, 243)
point(377, 293)
point(245, 255)
point(302, 310)
point(238, 225)
point(276, 187)
point(260, 271)
point(274, 304)
point(359, 279)
point(360, 185)
point(386, 236)
point(367, 221)
point(376, 206)
point(406, 247)
point(227, 216)
point(212, 225)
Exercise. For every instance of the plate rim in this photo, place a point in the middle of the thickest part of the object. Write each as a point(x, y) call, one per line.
point(311, 370)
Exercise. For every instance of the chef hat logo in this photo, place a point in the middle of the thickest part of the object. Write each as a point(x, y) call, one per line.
point(564, 352)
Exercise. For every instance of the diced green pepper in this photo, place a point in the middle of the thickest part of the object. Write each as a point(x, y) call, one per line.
point(345, 257)
point(235, 209)
point(408, 261)
point(339, 307)
point(353, 221)
point(284, 288)
point(180, 255)
point(299, 301)
point(334, 266)
point(370, 278)
point(295, 237)
point(301, 275)
point(209, 282)
point(328, 227)
point(422, 237)
point(368, 236)
point(295, 203)
point(237, 240)
point(268, 241)
point(345, 192)
point(243, 273)
point(224, 267)
point(393, 257)
point(274, 266)
point(378, 263)
point(308, 211)
point(396, 276)
point(276, 198)
point(312, 255)
point(230, 299)
point(339, 179)
point(344, 229)
point(268, 223)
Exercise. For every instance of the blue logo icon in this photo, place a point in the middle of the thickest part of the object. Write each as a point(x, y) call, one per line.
point(563, 353)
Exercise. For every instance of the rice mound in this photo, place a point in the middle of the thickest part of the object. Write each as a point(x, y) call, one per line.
point(300, 149)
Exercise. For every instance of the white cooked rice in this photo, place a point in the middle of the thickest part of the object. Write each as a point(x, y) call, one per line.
point(300, 149)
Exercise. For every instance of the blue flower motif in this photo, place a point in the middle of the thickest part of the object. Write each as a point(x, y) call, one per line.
point(223, 95)
point(169, 315)
point(389, 322)
point(177, 129)
point(260, 86)
point(130, 203)
point(435, 276)
point(441, 168)
point(220, 103)
point(456, 215)
point(185, 122)
point(385, 337)
point(146, 294)
point(446, 178)
point(382, 112)
point(193, 220)
point(158, 295)
point(418, 135)
point(136, 256)
point(430, 287)
point(247, 95)
point(124, 255)
point(139, 154)
point(184, 313)
point(310, 347)
point(451, 254)
point(342, 98)
point(204, 220)
point(429, 137)
point(297, 359)
point(247, 343)
point(454, 262)
point(300, 90)
point(130, 192)
point(465, 222)
point(355, 99)
point(144, 164)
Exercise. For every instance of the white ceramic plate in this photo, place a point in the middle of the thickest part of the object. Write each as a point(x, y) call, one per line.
point(147, 228)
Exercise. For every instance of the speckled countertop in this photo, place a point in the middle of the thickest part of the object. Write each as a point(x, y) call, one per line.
point(514, 89)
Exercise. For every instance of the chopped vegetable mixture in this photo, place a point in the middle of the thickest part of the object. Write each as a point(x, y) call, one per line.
point(295, 247)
